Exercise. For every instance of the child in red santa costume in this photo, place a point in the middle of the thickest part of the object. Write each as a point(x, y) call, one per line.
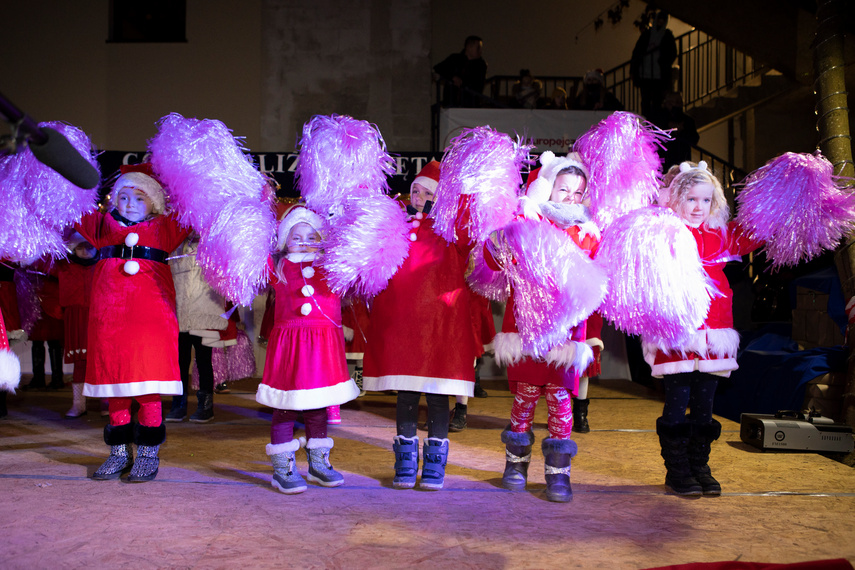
point(133, 329)
point(556, 194)
point(76, 276)
point(305, 369)
point(690, 373)
point(426, 306)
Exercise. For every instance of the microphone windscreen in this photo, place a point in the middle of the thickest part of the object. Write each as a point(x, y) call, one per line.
point(57, 153)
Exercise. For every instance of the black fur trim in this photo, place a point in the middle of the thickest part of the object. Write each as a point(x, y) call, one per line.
point(708, 432)
point(118, 435)
point(673, 430)
point(151, 436)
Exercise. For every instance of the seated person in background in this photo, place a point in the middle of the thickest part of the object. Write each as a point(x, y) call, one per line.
point(527, 90)
point(558, 99)
point(594, 96)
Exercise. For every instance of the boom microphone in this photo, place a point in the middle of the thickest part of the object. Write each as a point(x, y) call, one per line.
point(52, 149)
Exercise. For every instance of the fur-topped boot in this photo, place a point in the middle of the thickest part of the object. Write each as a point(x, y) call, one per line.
point(435, 452)
point(674, 441)
point(557, 454)
point(699, 455)
point(406, 461)
point(285, 475)
point(320, 469)
point(517, 458)
point(121, 458)
point(580, 415)
point(148, 440)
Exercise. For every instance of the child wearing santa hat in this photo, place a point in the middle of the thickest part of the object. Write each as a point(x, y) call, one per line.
point(426, 303)
point(305, 369)
point(556, 194)
point(133, 330)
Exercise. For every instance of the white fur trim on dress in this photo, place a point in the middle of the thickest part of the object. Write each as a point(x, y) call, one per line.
point(10, 370)
point(133, 389)
point(595, 342)
point(508, 352)
point(426, 384)
point(320, 443)
point(311, 399)
point(705, 342)
point(287, 447)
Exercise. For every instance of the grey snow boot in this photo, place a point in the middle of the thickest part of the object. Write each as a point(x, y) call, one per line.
point(285, 476)
point(320, 470)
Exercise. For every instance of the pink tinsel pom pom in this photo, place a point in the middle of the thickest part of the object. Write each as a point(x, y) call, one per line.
point(484, 281)
point(39, 203)
point(485, 164)
point(366, 246)
point(342, 160)
point(220, 194)
point(658, 288)
point(624, 167)
point(556, 285)
point(794, 205)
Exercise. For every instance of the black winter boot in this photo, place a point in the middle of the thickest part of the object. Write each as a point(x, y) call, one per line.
point(674, 441)
point(148, 440)
point(205, 409)
point(119, 439)
point(580, 415)
point(458, 418)
point(178, 411)
point(57, 381)
point(699, 455)
point(38, 354)
point(517, 458)
point(557, 454)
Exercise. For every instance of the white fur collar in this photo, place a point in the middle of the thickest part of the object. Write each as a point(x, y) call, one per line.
point(301, 257)
point(565, 215)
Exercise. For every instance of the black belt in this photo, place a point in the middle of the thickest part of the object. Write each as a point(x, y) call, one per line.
point(135, 252)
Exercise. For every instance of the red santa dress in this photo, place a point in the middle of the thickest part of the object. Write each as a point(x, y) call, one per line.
point(355, 319)
point(305, 367)
point(75, 293)
point(713, 348)
point(133, 330)
point(421, 337)
point(541, 372)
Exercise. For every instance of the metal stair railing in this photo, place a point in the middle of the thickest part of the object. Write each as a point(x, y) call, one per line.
point(705, 68)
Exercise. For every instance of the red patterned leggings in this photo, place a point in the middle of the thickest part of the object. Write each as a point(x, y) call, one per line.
point(150, 414)
point(559, 409)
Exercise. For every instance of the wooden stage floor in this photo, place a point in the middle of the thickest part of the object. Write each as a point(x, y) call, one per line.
point(212, 505)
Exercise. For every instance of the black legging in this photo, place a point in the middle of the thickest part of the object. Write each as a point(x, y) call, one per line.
point(694, 390)
point(186, 341)
point(407, 414)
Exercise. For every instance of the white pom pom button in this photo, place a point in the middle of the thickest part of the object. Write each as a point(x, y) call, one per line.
point(413, 237)
point(308, 272)
point(305, 309)
point(132, 239)
point(132, 266)
point(416, 223)
point(307, 290)
point(420, 215)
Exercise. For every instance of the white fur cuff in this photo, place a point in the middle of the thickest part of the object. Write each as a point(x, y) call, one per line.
point(287, 447)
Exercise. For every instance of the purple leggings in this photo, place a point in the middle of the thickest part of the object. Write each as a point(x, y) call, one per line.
point(282, 428)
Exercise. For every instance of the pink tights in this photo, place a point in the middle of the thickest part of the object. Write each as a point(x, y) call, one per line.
point(559, 409)
point(150, 414)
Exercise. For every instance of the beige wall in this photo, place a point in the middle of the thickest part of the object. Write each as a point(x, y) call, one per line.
point(57, 65)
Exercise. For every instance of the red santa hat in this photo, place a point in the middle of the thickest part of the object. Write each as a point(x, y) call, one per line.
point(141, 177)
point(296, 215)
point(10, 367)
point(428, 176)
point(540, 181)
